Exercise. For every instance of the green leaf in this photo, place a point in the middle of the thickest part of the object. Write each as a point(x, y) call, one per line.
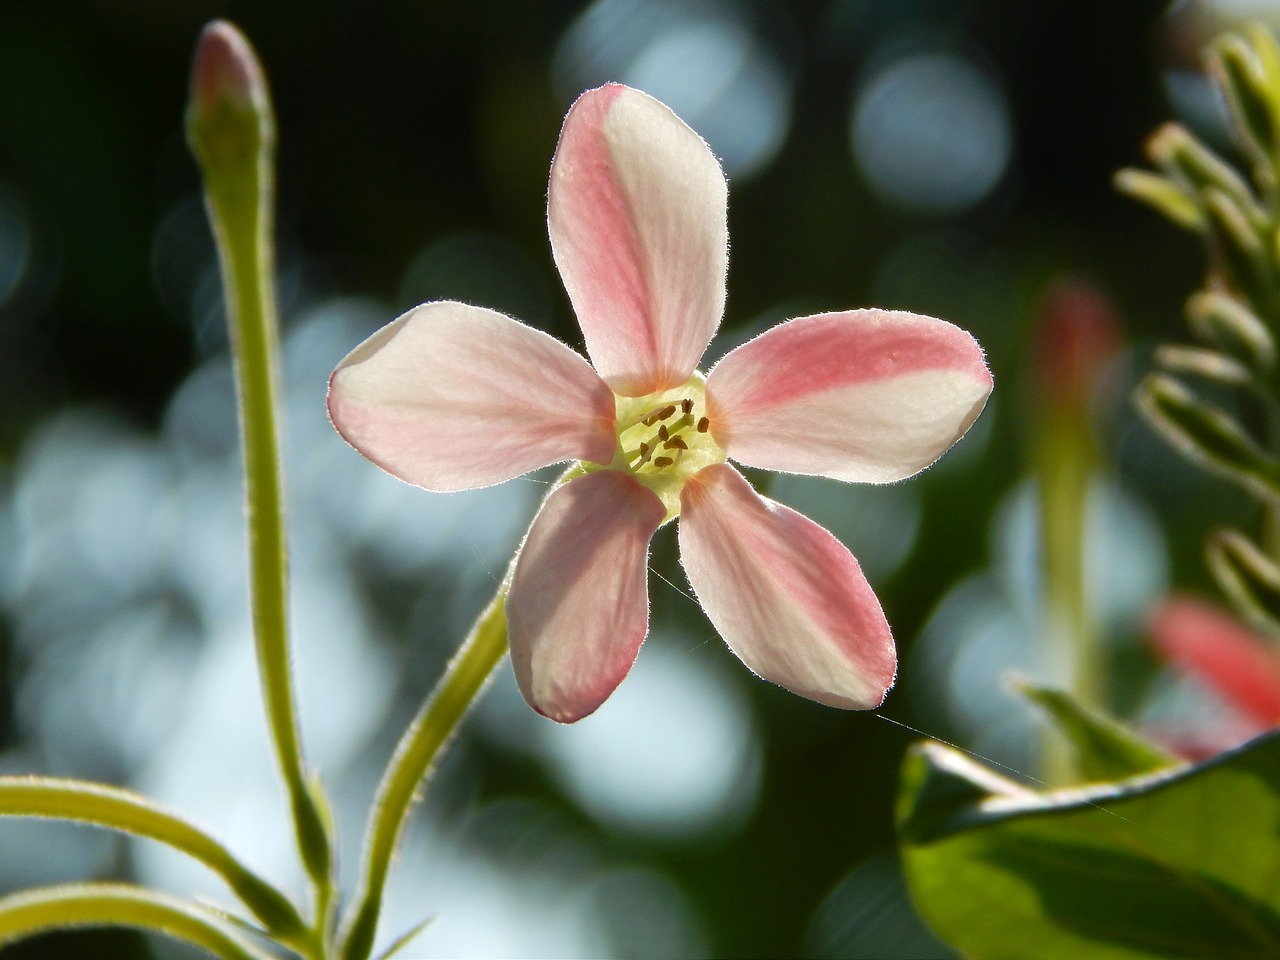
point(1188, 161)
point(406, 938)
point(1241, 74)
point(1240, 249)
point(44, 909)
point(1209, 364)
point(1181, 863)
point(1164, 196)
point(1224, 322)
point(1206, 434)
point(117, 809)
point(1105, 748)
point(1249, 578)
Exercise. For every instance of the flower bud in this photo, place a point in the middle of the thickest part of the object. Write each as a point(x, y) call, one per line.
point(229, 116)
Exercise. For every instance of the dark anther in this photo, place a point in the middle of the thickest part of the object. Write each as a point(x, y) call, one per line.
point(703, 424)
point(686, 405)
point(676, 443)
point(663, 433)
point(666, 411)
point(661, 462)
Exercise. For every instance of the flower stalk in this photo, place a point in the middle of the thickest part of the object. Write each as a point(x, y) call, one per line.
point(419, 747)
point(231, 129)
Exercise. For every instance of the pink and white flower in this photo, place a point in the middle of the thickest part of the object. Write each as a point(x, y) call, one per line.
point(451, 396)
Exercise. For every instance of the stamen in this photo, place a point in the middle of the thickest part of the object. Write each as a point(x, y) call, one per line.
point(686, 405)
point(659, 415)
point(703, 424)
point(663, 433)
point(661, 462)
point(677, 443)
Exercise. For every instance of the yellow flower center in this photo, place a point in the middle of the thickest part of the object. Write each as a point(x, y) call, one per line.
point(665, 438)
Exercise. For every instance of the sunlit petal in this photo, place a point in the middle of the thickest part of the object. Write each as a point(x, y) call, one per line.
point(451, 397)
point(785, 594)
point(578, 609)
point(637, 216)
point(868, 395)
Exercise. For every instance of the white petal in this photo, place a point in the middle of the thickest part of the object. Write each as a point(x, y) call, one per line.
point(578, 609)
point(637, 212)
point(452, 397)
point(786, 595)
point(868, 395)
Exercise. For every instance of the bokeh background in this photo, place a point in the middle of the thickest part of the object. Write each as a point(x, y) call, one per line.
point(951, 158)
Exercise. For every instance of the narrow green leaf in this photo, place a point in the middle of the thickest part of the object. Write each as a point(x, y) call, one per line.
point(1105, 748)
point(1238, 245)
point(1253, 108)
point(1206, 434)
point(1188, 161)
point(405, 939)
point(1249, 578)
point(117, 809)
point(1209, 364)
point(1163, 196)
point(1180, 863)
point(121, 905)
point(1224, 322)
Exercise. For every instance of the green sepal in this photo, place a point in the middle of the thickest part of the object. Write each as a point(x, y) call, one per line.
point(1224, 322)
point(1105, 748)
point(1206, 434)
point(1164, 196)
point(1174, 863)
point(1248, 577)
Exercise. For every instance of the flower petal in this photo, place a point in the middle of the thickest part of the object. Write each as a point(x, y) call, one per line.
point(868, 395)
point(637, 212)
point(452, 397)
point(578, 609)
point(785, 594)
point(1223, 653)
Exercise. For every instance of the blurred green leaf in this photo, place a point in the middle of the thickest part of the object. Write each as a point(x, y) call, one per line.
point(1205, 434)
point(1174, 864)
point(1242, 76)
point(1224, 322)
point(1249, 578)
point(1189, 162)
point(1245, 260)
point(1162, 195)
point(1200, 362)
point(1105, 748)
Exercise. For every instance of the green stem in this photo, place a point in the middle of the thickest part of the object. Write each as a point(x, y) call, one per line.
point(1065, 464)
point(231, 127)
point(418, 749)
point(36, 911)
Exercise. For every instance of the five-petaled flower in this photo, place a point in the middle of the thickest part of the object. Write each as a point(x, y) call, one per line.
point(451, 396)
